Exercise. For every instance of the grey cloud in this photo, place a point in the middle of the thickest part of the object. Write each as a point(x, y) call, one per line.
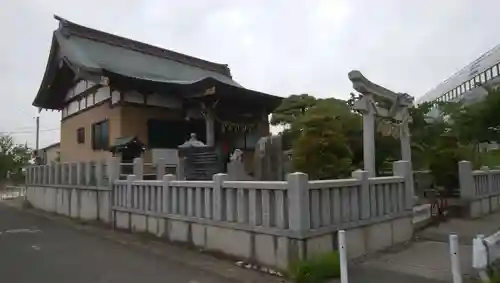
point(280, 46)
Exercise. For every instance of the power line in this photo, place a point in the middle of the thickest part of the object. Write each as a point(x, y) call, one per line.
point(28, 132)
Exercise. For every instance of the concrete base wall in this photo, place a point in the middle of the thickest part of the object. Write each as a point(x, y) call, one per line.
point(79, 203)
point(269, 249)
point(266, 249)
point(484, 206)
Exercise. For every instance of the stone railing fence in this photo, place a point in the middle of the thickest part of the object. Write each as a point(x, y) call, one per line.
point(95, 173)
point(92, 173)
point(479, 189)
point(148, 171)
point(77, 189)
point(296, 211)
point(269, 222)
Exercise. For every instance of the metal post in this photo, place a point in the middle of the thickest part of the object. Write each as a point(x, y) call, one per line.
point(37, 133)
point(343, 257)
point(455, 259)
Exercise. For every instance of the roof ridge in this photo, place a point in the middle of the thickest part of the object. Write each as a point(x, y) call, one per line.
point(142, 47)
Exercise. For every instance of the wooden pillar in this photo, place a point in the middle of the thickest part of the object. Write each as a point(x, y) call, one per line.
point(210, 128)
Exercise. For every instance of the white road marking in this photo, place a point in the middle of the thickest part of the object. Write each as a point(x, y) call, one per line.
point(36, 248)
point(15, 231)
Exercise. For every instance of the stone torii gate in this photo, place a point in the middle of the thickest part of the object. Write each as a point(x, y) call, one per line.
point(371, 104)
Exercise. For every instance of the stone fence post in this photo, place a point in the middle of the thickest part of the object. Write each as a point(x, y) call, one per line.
point(50, 173)
point(57, 173)
point(362, 176)
point(45, 177)
point(138, 168)
point(489, 177)
point(160, 165)
point(99, 173)
point(80, 178)
point(130, 180)
point(466, 180)
point(218, 179)
point(167, 203)
point(181, 164)
point(402, 168)
point(71, 173)
point(113, 170)
point(298, 206)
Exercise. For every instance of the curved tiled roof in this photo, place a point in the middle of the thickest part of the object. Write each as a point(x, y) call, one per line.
point(76, 49)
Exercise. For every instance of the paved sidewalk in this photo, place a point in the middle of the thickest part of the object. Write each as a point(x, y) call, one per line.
point(427, 258)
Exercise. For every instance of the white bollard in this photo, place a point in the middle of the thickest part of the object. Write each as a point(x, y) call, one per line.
point(455, 259)
point(343, 257)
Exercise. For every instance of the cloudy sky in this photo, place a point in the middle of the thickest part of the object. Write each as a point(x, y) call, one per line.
point(277, 46)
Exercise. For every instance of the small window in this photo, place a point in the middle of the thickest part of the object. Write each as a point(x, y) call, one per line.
point(80, 135)
point(488, 74)
point(467, 85)
point(495, 71)
point(483, 78)
point(100, 135)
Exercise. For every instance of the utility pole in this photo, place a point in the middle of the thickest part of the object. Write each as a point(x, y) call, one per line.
point(37, 142)
point(37, 132)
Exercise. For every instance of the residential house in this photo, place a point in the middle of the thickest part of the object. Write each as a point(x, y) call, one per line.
point(50, 153)
point(112, 90)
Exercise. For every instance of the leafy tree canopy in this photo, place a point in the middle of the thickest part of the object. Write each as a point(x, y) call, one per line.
point(13, 157)
point(321, 149)
point(323, 131)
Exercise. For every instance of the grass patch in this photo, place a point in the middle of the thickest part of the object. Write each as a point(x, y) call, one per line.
point(494, 273)
point(317, 269)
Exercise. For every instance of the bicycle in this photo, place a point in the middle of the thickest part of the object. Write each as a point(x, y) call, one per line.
point(439, 205)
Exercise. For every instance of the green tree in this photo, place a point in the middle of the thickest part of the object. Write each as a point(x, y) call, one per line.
point(13, 157)
point(444, 163)
point(321, 150)
point(291, 109)
point(425, 133)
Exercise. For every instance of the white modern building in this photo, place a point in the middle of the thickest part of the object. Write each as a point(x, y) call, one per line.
point(466, 85)
point(463, 85)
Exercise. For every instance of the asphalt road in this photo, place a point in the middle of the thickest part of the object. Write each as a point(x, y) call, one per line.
point(36, 249)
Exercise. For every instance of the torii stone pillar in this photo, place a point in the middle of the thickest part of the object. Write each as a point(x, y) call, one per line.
point(399, 102)
point(364, 105)
point(404, 137)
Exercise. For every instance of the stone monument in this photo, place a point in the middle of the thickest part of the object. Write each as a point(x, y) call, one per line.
point(197, 161)
point(268, 159)
point(236, 168)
